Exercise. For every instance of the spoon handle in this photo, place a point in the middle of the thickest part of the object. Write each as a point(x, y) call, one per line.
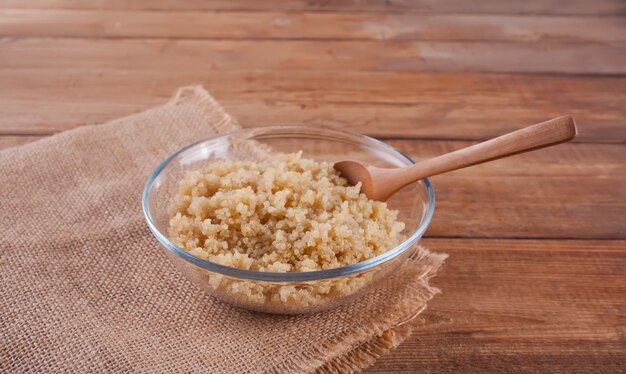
point(542, 135)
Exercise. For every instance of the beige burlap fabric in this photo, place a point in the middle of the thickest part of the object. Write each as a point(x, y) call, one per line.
point(86, 288)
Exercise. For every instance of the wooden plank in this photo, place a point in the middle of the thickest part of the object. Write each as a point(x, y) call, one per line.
point(307, 25)
point(569, 191)
point(166, 55)
point(537, 7)
point(398, 104)
point(520, 306)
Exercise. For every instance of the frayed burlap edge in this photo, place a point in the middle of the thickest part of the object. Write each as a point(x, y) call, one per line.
point(356, 350)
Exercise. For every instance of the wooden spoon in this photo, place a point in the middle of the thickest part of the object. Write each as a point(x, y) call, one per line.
point(381, 183)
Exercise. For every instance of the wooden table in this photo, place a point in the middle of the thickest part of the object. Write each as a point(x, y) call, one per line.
point(536, 279)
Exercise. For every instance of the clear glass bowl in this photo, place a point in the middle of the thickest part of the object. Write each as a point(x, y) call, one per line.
point(295, 292)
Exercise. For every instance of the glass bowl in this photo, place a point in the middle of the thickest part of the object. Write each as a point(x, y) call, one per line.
point(292, 292)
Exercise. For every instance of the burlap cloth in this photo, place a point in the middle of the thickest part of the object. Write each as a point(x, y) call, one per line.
point(86, 288)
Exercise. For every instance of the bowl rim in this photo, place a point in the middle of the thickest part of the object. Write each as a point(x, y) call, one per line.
point(288, 276)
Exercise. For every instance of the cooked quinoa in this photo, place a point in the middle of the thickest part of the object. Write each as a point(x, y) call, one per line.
point(288, 214)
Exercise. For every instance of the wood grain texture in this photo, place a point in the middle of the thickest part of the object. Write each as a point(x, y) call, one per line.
point(308, 25)
point(568, 191)
point(396, 104)
point(165, 55)
point(537, 7)
point(521, 306)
